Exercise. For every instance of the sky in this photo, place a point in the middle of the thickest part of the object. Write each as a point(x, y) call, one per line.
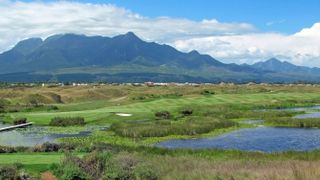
point(232, 31)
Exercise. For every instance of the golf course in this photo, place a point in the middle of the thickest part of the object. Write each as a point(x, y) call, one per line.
point(171, 131)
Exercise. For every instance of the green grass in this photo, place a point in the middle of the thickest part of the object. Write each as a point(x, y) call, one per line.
point(229, 103)
point(33, 162)
point(145, 110)
point(30, 158)
point(292, 122)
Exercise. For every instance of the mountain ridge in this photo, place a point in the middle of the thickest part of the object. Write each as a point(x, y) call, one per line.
point(106, 57)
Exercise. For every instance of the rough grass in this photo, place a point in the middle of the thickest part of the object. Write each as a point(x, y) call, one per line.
point(293, 122)
point(195, 168)
point(160, 128)
point(144, 110)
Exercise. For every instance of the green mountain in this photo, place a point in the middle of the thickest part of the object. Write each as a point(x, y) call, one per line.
point(127, 58)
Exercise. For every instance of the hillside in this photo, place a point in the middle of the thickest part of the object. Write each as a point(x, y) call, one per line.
point(127, 58)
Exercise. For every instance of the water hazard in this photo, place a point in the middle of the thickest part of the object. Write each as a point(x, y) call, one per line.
point(265, 139)
point(32, 136)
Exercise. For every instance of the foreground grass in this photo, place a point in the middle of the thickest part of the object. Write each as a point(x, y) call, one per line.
point(200, 164)
point(33, 162)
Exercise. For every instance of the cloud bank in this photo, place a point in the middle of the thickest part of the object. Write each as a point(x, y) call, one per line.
point(230, 42)
point(302, 48)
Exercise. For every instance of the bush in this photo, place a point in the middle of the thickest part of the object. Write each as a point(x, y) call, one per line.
point(187, 112)
point(67, 121)
point(128, 166)
point(3, 104)
point(74, 172)
point(121, 167)
point(91, 166)
point(11, 172)
point(7, 149)
point(51, 107)
point(47, 147)
point(8, 172)
point(163, 115)
point(146, 171)
point(207, 92)
point(20, 121)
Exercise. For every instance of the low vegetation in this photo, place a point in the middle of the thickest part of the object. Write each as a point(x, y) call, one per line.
point(293, 122)
point(13, 172)
point(20, 121)
point(188, 126)
point(67, 121)
point(122, 147)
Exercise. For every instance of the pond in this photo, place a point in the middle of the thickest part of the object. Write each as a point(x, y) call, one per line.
point(32, 136)
point(265, 139)
point(299, 108)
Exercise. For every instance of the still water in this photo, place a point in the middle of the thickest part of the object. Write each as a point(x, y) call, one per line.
point(32, 136)
point(265, 139)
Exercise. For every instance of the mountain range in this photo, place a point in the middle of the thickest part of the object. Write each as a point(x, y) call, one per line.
point(127, 58)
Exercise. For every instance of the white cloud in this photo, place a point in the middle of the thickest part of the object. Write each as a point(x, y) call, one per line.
point(271, 23)
point(230, 42)
point(302, 48)
point(20, 20)
point(314, 31)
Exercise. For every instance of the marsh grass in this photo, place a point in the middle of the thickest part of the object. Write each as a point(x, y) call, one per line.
point(294, 122)
point(188, 126)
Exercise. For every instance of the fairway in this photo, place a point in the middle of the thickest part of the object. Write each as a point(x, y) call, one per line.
point(143, 110)
point(31, 158)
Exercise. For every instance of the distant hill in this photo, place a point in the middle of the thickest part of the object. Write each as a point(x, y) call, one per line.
point(285, 67)
point(127, 58)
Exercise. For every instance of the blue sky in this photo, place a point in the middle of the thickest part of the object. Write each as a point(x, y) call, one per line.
point(232, 31)
point(286, 16)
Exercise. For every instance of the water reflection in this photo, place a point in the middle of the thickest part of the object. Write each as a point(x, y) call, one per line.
point(32, 136)
point(265, 139)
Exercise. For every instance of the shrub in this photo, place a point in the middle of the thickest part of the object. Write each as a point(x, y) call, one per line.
point(128, 166)
point(47, 147)
point(207, 92)
point(20, 121)
point(74, 172)
point(67, 121)
point(146, 171)
point(56, 98)
point(23, 176)
point(91, 166)
point(187, 112)
point(121, 167)
point(163, 115)
point(8, 172)
point(7, 149)
point(51, 107)
point(3, 104)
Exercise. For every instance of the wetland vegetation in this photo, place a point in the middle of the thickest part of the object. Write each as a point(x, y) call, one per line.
point(128, 147)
